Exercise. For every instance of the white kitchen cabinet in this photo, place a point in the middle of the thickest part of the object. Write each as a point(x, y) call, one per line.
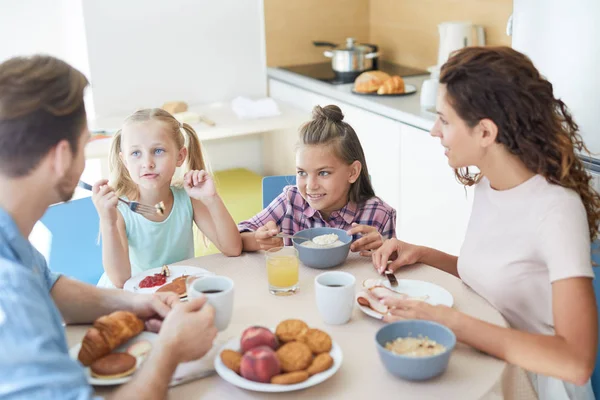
point(408, 170)
point(434, 207)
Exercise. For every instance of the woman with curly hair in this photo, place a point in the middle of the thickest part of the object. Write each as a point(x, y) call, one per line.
point(527, 246)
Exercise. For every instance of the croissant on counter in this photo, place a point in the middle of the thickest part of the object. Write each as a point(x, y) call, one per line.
point(394, 85)
point(108, 332)
point(370, 81)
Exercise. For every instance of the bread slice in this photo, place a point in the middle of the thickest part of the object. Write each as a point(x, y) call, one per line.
point(370, 81)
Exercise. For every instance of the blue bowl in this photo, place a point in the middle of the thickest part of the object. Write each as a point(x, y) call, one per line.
point(415, 368)
point(322, 258)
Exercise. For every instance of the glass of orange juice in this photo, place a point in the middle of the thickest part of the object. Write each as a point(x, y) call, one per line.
point(282, 270)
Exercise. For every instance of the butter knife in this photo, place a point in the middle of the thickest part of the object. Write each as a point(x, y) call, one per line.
point(391, 277)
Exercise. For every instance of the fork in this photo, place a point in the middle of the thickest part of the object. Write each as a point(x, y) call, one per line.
point(133, 205)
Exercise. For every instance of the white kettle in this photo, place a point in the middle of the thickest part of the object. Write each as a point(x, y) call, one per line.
point(456, 35)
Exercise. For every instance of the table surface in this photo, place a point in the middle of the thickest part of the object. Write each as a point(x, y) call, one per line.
point(470, 374)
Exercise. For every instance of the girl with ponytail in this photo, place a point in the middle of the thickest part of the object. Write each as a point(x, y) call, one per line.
point(144, 156)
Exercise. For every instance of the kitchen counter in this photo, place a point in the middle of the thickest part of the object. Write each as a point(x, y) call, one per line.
point(405, 109)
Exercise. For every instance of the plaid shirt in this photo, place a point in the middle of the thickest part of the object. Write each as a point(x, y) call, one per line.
point(292, 214)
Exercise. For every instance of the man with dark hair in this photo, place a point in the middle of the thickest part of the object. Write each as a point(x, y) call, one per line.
point(43, 133)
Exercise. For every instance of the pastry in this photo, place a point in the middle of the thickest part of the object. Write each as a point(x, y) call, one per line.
point(317, 340)
point(113, 366)
point(290, 378)
point(108, 332)
point(177, 286)
point(294, 356)
point(370, 81)
point(174, 107)
point(393, 85)
point(321, 363)
point(232, 360)
point(289, 329)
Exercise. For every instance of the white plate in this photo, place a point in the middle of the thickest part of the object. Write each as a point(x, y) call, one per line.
point(74, 352)
point(237, 380)
point(436, 294)
point(176, 271)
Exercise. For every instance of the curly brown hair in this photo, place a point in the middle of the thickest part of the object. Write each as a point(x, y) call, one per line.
point(503, 85)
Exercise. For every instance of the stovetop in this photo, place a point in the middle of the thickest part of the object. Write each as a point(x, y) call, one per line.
point(323, 71)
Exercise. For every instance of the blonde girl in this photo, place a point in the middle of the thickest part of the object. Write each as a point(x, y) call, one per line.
point(144, 157)
point(332, 189)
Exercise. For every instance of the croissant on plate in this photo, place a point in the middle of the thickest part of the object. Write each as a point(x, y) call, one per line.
point(370, 81)
point(394, 85)
point(108, 332)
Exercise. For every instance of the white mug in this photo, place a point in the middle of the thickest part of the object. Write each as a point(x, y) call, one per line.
point(334, 291)
point(429, 93)
point(219, 294)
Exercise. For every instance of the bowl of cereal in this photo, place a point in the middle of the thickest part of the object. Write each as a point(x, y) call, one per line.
point(322, 247)
point(415, 350)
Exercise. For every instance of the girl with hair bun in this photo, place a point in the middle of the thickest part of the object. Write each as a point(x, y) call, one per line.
point(332, 190)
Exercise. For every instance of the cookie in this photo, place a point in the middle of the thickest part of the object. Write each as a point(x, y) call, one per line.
point(317, 340)
point(294, 356)
point(232, 360)
point(289, 329)
point(113, 366)
point(321, 363)
point(290, 378)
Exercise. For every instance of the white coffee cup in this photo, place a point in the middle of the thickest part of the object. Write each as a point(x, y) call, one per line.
point(219, 294)
point(429, 91)
point(334, 291)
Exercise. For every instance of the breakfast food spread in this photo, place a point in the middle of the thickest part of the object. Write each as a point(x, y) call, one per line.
point(107, 333)
point(290, 355)
point(113, 366)
point(415, 347)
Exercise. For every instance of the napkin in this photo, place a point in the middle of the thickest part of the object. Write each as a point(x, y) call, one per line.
point(246, 108)
point(200, 368)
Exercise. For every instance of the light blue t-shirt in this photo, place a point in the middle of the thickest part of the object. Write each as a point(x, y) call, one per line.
point(154, 244)
point(34, 357)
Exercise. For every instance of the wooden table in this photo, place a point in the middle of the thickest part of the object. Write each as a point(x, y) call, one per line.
point(470, 375)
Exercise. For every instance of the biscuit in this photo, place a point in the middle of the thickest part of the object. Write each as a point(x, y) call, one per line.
point(289, 329)
point(294, 356)
point(317, 340)
point(232, 360)
point(290, 378)
point(113, 366)
point(321, 363)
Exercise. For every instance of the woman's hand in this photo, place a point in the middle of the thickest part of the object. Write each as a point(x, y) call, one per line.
point(265, 236)
point(416, 309)
point(199, 185)
point(370, 239)
point(398, 252)
point(105, 200)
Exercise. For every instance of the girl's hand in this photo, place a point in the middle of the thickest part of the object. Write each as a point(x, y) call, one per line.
point(199, 185)
point(398, 252)
point(265, 236)
point(415, 309)
point(105, 200)
point(371, 239)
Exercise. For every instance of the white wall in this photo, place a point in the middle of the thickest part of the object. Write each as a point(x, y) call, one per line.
point(561, 38)
point(145, 52)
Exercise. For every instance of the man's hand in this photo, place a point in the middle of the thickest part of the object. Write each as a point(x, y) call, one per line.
point(153, 308)
point(189, 330)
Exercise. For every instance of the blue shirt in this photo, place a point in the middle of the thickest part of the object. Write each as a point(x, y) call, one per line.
point(34, 357)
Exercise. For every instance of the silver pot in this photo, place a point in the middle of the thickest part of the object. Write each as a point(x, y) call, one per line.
point(352, 58)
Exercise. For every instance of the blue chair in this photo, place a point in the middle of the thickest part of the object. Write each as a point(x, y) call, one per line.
point(272, 186)
point(596, 259)
point(70, 240)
